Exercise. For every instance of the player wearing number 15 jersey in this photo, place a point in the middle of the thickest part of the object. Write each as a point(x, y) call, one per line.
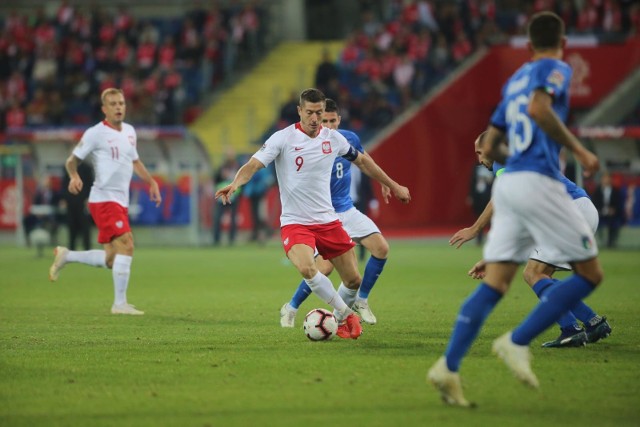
point(304, 154)
point(532, 209)
point(111, 147)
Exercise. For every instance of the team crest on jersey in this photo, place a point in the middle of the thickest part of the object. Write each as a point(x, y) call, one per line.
point(132, 140)
point(586, 242)
point(264, 147)
point(556, 78)
point(326, 147)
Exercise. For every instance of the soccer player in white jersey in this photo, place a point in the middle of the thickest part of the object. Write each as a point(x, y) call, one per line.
point(359, 226)
point(531, 115)
point(111, 147)
point(540, 268)
point(304, 154)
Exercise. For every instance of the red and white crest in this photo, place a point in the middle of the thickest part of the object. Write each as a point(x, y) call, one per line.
point(132, 140)
point(326, 147)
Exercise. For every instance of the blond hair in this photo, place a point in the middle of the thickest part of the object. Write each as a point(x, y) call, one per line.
point(110, 91)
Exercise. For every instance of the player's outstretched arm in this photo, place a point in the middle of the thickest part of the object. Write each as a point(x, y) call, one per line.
point(540, 109)
point(469, 233)
point(243, 176)
point(75, 182)
point(154, 190)
point(372, 170)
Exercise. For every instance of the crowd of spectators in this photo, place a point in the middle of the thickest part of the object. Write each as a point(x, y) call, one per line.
point(53, 68)
point(397, 54)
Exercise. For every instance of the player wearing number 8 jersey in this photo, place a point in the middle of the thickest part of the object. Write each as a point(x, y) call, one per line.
point(111, 146)
point(304, 154)
point(534, 105)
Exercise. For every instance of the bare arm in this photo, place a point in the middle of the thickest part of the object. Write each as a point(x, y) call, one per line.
point(541, 111)
point(466, 234)
point(494, 144)
point(371, 169)
point(75, 182)
point(243, 176)
point(154, 191)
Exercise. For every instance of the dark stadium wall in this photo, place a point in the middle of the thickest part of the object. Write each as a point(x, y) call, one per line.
point(433, 154)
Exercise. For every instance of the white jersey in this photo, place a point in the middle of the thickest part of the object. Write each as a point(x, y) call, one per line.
point(112, 153)
point(303, 167)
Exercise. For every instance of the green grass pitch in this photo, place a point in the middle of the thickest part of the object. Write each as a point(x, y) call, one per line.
point(210, 351)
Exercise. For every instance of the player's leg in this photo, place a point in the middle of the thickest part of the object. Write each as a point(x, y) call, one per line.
point(538, 274)
point(120, 255)
point(563, 233)
point(363, 230)
point(101, 213)
point(301, 256)
point(377, 245)
point(346, 265)
point(289, 310)
point(472, 315)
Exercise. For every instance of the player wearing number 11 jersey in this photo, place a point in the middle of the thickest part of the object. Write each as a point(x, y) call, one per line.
point(531, 209)
point(111, 147)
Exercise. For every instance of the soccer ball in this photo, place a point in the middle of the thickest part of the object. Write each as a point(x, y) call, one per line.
point(320, 324)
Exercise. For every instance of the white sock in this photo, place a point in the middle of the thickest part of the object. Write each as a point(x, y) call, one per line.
point(121, 272)
point(348, 295)
point(321, 286)
point(95, 257)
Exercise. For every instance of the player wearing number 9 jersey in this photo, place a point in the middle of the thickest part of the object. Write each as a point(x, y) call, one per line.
point(359, 227)
point(304, 154)
point(531, 209)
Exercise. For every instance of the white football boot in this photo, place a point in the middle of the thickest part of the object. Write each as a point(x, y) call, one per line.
point(287, 316)
point(448, 384)
point(59, 261)
point(517, 358)
point(126, 309)
point(362, 308)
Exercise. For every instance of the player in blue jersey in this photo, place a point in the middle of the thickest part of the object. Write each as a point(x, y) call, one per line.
point(532, 209)
point(539, 269)
point(359, 227)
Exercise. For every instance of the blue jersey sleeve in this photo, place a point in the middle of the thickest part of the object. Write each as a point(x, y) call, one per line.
point(551, 76)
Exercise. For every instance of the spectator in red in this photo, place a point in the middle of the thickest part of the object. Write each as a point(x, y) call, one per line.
point(146, 55)
point(123, 53)
point(15, 116)
point(167, 53)
point(37, 109)
point(462, 48)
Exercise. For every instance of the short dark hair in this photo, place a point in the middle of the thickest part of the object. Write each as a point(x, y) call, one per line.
point(545, 31)
point(330, 106)
point(312, 95)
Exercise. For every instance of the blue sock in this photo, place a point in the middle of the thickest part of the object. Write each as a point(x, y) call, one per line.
point(544, 286)
point(564, 297)
point(371, 272)
point(583, 312)
point(301, 294)
point(470, 319)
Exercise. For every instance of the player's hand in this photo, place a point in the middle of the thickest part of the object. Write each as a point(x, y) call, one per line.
point(75, 185)
point(478, 270)
point(588, 160)
point(462, 236)
point(224, 194)
point(402, 194)
point(154, 193)
point(386, 193)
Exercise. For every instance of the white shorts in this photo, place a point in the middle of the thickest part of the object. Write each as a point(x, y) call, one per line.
point(589, 211)
point(534, 211)
point(357, 225)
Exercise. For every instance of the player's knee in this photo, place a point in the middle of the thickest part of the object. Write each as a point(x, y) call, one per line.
point(381, 250)
point(308, 271)
point(530, 275)
point(353, 282)
point(326, 269)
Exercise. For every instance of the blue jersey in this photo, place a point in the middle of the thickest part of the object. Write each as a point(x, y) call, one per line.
point(572, 188)
point(530, 149)
point(341, 176)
